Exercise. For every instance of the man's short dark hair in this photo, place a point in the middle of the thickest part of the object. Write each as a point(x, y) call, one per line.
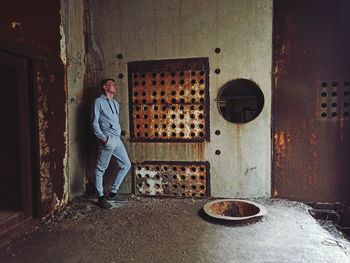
point(104, 82)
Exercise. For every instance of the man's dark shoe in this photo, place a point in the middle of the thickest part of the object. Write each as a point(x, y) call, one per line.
point(102, 202)
point(115, 198)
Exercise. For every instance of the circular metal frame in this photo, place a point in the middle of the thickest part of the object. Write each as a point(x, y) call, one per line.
point(207, 209)
point(242, 84)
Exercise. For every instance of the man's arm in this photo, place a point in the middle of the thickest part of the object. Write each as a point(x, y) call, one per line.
point(95, 124)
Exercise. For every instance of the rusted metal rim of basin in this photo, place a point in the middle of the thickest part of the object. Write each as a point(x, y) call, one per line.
point(234, 209)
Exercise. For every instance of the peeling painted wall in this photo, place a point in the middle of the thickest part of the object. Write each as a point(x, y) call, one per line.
point(31, 29)
point(165, 29)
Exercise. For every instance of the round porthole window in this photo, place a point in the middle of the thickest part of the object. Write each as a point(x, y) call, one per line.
point(240, 101)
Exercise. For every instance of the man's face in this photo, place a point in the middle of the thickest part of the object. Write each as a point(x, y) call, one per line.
point(110, 87)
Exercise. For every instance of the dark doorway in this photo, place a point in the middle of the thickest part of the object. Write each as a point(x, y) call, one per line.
point(15, 152)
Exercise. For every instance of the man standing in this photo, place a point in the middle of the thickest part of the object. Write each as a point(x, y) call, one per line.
point(106, 127)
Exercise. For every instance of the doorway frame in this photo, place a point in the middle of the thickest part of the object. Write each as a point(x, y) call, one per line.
point(31, 54)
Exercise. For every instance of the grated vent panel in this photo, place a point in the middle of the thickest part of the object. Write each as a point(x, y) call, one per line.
point(169, 100)
point(333, 101)
point(187, 179)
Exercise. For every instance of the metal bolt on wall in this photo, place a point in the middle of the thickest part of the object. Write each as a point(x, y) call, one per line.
point(169, 100)
point(187, 179)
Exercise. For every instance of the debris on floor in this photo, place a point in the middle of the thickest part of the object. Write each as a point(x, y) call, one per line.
point(176, 230)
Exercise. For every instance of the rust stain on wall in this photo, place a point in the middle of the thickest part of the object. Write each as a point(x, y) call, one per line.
point(238, 143)
point(238, 153)
point(283, 41)
point(281, 63)
point(79, 97)
point(198, 150)
point(281, 141)
point(172, 151)
point(275, 193)
point(313, 164)
point(46, 186)
point(313, 139)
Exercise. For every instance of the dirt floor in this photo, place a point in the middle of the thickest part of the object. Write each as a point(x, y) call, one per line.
point(176, 230)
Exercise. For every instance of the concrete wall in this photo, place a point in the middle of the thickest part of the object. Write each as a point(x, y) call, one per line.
point(73, 54)
point(165, 29)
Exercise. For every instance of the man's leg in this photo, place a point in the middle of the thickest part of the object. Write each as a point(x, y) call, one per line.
point(124, 165)
point(103, 158)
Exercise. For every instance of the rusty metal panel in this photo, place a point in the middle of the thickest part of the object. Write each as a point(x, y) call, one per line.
point(311, 131)
point(169, 100)
point(187, 179)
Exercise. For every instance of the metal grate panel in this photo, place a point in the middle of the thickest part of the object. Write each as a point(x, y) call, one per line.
point(333, 101)
point(169, 100)
point(187, 179)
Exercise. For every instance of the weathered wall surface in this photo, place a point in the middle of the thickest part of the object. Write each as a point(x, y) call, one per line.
point(165, 29)
point(311, 88)
point(31, 29)
point(73, 55)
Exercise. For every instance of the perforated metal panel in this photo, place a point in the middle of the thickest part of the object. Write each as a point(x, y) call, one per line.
point(187, 179)
point(333, 101)
point(169, 100)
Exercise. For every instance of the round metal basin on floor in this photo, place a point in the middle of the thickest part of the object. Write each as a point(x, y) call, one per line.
point(234, 209)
